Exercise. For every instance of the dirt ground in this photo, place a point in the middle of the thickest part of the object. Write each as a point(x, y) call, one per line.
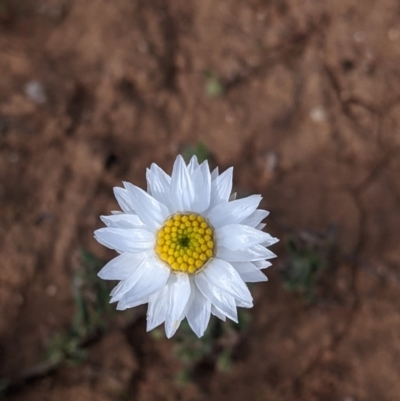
point(92, 92)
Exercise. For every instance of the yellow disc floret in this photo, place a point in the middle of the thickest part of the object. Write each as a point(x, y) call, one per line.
point(185, 243)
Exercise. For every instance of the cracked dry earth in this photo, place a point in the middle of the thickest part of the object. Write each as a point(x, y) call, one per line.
point(310, 118)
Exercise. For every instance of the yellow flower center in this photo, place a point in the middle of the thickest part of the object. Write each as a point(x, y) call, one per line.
point(185, 242)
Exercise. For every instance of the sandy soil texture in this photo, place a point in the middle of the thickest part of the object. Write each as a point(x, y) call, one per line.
point(93, 91)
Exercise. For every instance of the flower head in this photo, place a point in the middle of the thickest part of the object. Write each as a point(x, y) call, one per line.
point(186, 246)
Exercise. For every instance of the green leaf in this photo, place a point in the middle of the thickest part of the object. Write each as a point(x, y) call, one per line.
point(214, 85)
point(224, 362)
point(200, 150)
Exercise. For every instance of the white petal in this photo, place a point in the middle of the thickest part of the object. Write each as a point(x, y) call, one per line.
point(158, 183)
point(181, 190)
point(125, 240)
point(254, 277)
point(260, 226)
point(249, 272)
point(178, 296)
point(201, 179)
point(243, 304)
point(255, 218)
point(214, 174)
point(255, 252)
point(269, 240)
point(157, 310)
point(223, 276)
point(238, 236)
point(122, 220)
point(116, 289)
point(216, 312)
point(198, 313)
point(124, 286)
point(233, 196)
point(221, 188)
point(154, 277)
point(121, 267)
point(193, 164)
point(224, 302)
point(123, 200)
point(233, 212)
point(152, 212)
point(244, 267)
point(262, 264)
point(136, 303)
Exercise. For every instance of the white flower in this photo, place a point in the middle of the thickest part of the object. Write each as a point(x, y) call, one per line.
point(186, 248)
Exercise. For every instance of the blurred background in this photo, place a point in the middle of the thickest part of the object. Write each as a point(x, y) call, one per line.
point(302, 97)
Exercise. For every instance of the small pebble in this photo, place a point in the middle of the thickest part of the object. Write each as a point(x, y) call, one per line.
point(317, 114)
point(36, 92)
point(271, 162)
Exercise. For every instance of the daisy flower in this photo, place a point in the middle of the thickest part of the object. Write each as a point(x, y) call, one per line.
point(186, 246)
